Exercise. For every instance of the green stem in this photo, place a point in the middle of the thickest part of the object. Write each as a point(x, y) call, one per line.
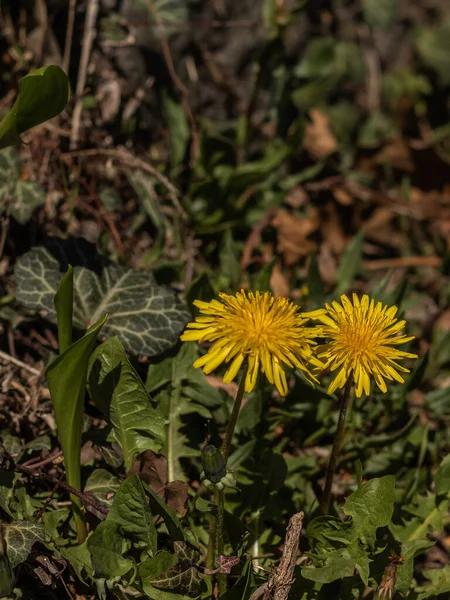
point(216, 529)
point(234, 416)
point(220, 545)
point(337, 445)
point(80, 521)
point(211, 555)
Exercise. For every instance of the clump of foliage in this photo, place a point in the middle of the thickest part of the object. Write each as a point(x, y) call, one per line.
point(300, 450)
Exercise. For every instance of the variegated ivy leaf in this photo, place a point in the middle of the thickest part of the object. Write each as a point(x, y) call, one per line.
point(20, 537)
point(24, 196)
point(147, 317)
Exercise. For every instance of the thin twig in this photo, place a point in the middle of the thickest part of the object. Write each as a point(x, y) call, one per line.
point(37, 464)
point(132, 162)
point(177, 82)
point(88, 39)
point(15, 361)
point(69, 35)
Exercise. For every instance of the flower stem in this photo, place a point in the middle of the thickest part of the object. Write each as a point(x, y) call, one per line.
point(234, 415)
point(337, 445)
point(216, 538)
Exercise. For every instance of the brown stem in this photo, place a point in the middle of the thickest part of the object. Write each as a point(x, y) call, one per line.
point(337, 445)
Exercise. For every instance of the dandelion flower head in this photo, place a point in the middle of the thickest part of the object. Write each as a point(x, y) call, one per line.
point(363, 339)
point(269, 332)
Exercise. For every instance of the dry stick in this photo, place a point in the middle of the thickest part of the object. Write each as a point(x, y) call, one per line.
point(281, 581)
point(177, 81)
point(7, 463)
point(69, 35)
point(132, 162)
point(15, 361)
point(88, 38)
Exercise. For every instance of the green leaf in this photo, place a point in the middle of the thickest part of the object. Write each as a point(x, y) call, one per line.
point(158, 567)
point(183, 577)
point(377, 129)
point(119, 393)
point(66, 378)
point(148, 318)
point(131, 510)
point(25, 195)
point(433, 46)
point(405, 572)
point(439, 583)
point(43, 94)
point(80, 560)
point(64, 310)
point(20, 536)
point(169, 516)
point(107, 547)
point(315, 285)
point(339, 565)
point(178, 127)
point(442, 477)
point(380, 14)
point(6, 573)
point(426, 514)
point(103, 485)
point(350, 264)
point(230, 267)
point(184, 390)
point(371, 506)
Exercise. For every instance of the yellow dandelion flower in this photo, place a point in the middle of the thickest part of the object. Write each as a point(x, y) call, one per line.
point(362, 342)
point(268, 332)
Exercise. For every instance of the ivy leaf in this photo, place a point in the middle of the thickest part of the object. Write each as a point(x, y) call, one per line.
point(183, 577)
point(25, 195)
point(371, 506)
point(20, 536)
point(147, 317)
point(119, 393)
point(107, 547)
point(131, 510)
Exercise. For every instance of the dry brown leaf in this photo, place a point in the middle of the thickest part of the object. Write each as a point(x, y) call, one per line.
point(319, 140)
point(293, 242)
point(278, 282)
point(342, 196)
point(296, 197)
point(397, 154)
point(331, 228)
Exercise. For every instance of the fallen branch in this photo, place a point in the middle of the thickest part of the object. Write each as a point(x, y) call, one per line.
point(281, 581)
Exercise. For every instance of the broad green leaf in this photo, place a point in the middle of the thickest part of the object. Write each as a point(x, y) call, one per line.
point(156, 567)
point(6, 573)
point(148, 318)
point(66, 378)
point(103, 485)
point(20, 536)
point(130, 509)
point(43, 94)
point(200, 289)
point(380, 14)
point(184, 390)
point(230, 268)
point(405, 572)
point(338, 565)
point(442, 477)
point(377, 129)
point(64, 310)
point(350, 264)
point(119, 393)
point(80, 560)
point(329, 533)
point(24, 195)
point(107, 546)
point(371, 507)
point(439, 583)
